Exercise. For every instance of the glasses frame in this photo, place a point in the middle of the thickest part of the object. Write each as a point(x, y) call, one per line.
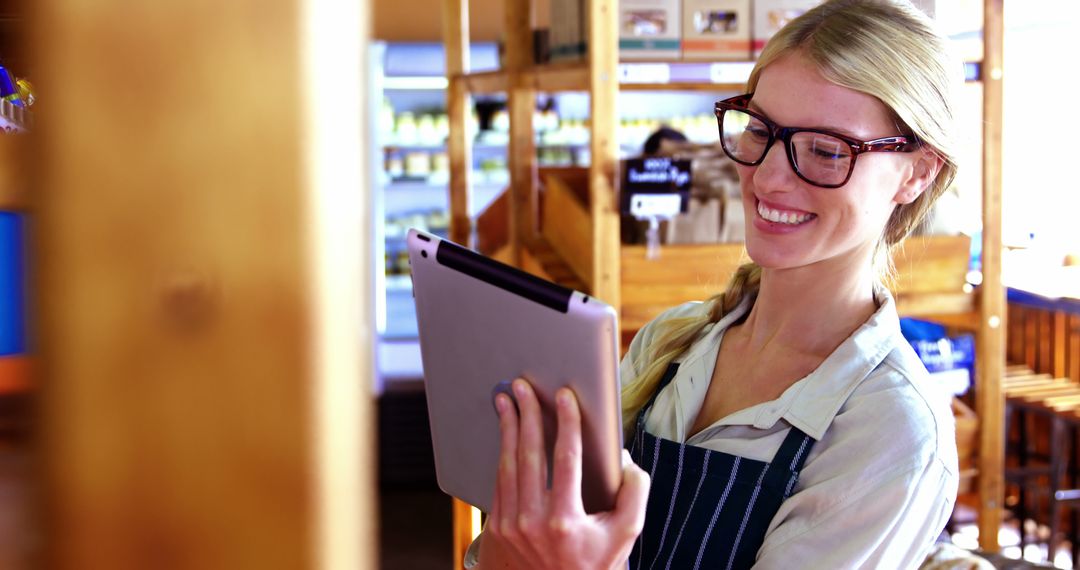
point(899, 143)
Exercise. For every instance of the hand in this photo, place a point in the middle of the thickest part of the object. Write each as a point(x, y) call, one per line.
point(532, 527)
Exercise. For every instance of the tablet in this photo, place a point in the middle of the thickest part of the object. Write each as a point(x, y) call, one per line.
point(482, 324)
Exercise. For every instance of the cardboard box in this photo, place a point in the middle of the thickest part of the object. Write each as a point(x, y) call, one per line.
point(716, 29)
point(771, 15)
point(650, 29)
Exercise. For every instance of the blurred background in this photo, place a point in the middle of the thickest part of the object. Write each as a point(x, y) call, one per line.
point(208, 349)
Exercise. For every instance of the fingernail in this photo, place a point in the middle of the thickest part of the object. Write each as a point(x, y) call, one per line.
point(500, 403)
point(519, 388)
point(563, 398)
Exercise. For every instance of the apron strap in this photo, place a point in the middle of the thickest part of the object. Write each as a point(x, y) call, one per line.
point(664, 381)
point(783, 471)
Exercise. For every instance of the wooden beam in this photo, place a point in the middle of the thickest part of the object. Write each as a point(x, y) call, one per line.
point(990, 404)
point(556, 77)
point(487, 82)
point(1060, 344)
point(205, 401)
point(458, 103)
point(524, 205)
point(459, 149)
point(603, 25)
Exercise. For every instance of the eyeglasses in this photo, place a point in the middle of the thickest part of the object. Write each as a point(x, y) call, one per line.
point(822, 158)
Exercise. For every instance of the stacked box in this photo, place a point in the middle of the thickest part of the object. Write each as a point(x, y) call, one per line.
point(569, 30)
point(649, 29)
point(771, 15)
point(716, 29)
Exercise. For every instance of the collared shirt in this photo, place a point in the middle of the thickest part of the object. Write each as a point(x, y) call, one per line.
point(877, 488)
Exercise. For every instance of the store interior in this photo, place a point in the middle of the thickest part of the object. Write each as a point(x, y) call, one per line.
point(237, 407)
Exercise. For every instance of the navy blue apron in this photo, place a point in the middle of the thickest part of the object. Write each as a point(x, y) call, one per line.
point(708, 509)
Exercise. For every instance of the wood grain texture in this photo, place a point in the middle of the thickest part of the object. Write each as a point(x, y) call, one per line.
point(422, 20)
point(990, 350)
point(458, 105)
point(930, 277)
point(931, 264)
point(14, 185)
point(568, 227)
point(603, 36)
point(177, 298)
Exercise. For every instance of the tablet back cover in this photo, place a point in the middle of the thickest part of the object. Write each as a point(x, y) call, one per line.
point(482, 323)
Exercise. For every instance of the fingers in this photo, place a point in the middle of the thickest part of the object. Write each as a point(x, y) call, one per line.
point(629, 513)
point(532, 469)
point(566, 476)
point(504, 507)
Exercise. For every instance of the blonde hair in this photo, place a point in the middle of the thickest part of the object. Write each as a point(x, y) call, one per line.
point(885, 48)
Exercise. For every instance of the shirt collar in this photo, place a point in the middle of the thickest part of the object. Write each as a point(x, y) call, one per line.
point(812, 402)
point(817, 398)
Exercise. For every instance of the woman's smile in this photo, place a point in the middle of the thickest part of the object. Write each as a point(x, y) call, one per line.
point(779, 214)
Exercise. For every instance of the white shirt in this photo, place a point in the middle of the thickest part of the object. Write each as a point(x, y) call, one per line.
point(878, 486)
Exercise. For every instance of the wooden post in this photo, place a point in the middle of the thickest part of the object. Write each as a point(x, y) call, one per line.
point(459, 148)
point(604, 90)
point(458, 145)
point(1060, 345)
point(205, 367)
point(990, 403)
point(521, 104)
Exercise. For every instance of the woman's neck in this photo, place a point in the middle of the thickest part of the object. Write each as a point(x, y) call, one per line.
point(811, 309)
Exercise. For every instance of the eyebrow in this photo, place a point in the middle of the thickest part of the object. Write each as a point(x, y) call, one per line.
point(757, 109)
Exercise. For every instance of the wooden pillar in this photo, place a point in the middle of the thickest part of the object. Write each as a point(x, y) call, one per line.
point(458, 103)
point(205, 360)
point(604, 144)
point(991, 339)
point(521, 105)
point(459, 147)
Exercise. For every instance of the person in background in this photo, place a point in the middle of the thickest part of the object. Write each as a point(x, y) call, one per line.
point(655, 142)
point(784, 423)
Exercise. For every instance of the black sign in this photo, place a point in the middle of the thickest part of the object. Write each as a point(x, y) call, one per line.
point(655, 175)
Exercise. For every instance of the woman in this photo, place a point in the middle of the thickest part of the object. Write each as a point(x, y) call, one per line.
point(784, 423)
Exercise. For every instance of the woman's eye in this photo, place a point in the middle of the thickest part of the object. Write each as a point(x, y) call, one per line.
point(828, 150)
point(758, 131)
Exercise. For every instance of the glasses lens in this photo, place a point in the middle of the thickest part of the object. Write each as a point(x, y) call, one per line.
point(744, 137)
point(821, 159)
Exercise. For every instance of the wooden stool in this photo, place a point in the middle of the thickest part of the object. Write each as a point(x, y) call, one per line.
point(1057, 400)
point(1019, 381)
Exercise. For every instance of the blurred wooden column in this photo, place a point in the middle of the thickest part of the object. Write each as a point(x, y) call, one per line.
point(990, 401)
point(204, 336)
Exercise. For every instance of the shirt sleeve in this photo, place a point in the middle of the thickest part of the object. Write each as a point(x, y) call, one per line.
point(890, 523)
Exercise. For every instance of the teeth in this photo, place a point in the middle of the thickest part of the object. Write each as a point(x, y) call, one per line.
point(777, 216)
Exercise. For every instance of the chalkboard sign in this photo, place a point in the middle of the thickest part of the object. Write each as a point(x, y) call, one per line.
point(652, 185)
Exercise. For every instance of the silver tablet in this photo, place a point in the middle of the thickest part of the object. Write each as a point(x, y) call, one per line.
point(482, 324)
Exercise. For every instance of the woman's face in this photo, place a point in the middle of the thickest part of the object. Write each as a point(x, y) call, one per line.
point(830, 227)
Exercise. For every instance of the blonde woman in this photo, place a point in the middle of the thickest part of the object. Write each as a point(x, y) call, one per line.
point(784, 423)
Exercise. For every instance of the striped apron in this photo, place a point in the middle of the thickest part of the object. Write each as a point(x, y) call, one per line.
point(708, 509)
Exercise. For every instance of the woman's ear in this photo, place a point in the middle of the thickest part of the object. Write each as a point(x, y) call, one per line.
point(923, 171)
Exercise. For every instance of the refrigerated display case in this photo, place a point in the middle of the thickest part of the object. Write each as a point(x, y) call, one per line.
point(410, 181)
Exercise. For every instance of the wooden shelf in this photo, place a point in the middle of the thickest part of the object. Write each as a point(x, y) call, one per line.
point(710, 87)
point(574, 76)
point(483, 82)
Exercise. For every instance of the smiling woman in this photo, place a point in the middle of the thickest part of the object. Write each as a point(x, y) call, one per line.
point(786, 418)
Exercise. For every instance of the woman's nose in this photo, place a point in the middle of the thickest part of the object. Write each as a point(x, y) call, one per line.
point(774, 172)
